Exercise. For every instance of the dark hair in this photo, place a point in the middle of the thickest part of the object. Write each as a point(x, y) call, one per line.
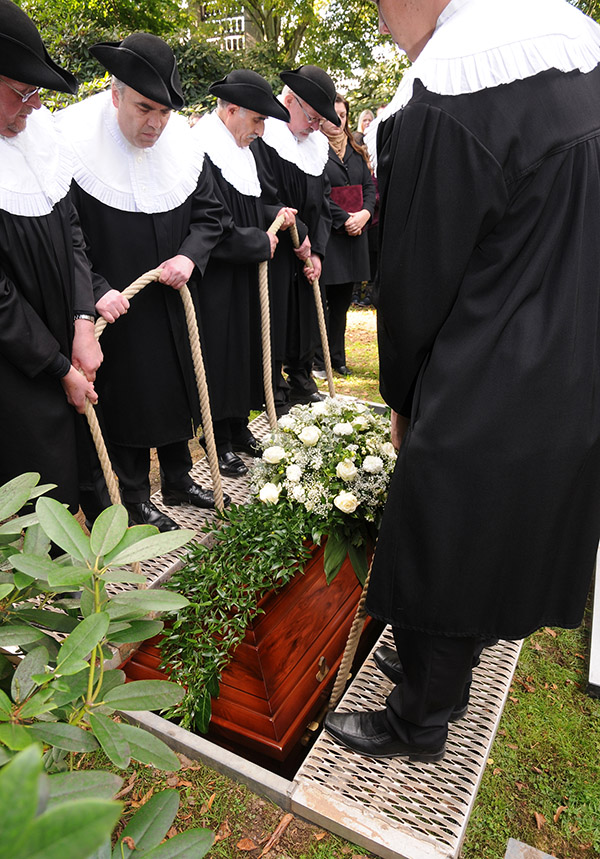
point(339, 99)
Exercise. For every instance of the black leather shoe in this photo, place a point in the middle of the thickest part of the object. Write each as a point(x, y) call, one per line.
point(249, 445)
point(195, 495)
point(231, 465)
point(145, 513)
point(389, 664)
point(369, 734)
point(300, 399)
point(343, 370)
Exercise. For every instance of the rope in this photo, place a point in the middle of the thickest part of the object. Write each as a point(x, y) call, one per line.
point(320, 316)
point(265, 331)
point(343, 673)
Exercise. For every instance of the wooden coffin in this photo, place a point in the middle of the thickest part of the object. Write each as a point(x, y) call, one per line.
point(282, 672)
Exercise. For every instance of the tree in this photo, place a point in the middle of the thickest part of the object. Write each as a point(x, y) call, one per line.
point(590, 7)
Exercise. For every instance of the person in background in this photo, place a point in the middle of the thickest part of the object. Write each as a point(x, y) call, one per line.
point(364, 121)
point(347, 254)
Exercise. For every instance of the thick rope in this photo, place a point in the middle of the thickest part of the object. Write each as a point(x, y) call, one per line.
point(265, 330)
point(320, 316)
point(356, 629)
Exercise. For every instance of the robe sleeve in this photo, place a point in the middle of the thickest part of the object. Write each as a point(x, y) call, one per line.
point(207, 223)
point(83, 297)
point(442, 192)
point(369, 190)
point(272, 197)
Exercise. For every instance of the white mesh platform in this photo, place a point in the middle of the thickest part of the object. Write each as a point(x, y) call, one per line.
point(391, 806)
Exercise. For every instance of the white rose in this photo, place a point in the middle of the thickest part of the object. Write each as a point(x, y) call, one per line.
point(319, 408)
point(346, 470)
point(387, 449)
point(273, 455)
point(310, 436)
point(346, 502)
point(286, 422)
point(343, 429)
point(298, 494)
point(269, 494)
point(360, 422)
point(360, 407)
point(373, 464)
point(293, 473)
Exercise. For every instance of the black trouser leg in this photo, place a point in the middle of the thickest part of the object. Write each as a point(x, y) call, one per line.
point(436, 670)
point(339, 298)
point(175, 464)
point(132, 466)
point(300, 379)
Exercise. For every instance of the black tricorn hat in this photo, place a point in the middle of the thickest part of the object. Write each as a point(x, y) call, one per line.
point(23, 56)
point(248, 89)
point(315, 87)
point(146, 64)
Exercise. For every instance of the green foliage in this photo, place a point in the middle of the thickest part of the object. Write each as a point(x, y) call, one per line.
point(590, 7)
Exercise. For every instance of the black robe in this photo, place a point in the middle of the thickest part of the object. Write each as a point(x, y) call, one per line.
point(294, 317)
point(347, 257)
point(146, 385)
point(489, 325)
point(44, 280)
point(228, 304)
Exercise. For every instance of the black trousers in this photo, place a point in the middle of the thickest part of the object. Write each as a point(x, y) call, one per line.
point(339, 298)
point(132, 467)
point(437, 678)
point(229, 430)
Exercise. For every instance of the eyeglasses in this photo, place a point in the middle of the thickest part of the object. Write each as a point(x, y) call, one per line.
point(309, 118)
point(24, 96)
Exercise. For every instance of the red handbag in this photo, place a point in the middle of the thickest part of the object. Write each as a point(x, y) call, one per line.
point(348, 197)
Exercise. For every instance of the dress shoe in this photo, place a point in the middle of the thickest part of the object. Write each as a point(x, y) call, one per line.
point(195, 495)
point(369, 734)
point(299, 398)
point(145, 513)
point(389, 664)
point(319, 374)
point(231, 465)
point(343, 370)
point(249, 445)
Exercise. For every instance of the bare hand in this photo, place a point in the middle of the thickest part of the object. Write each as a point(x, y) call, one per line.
point(399, 427)
point(274, 242)
point(303, 252)
point(357, 222)
point(86, 352)
point(289, 217)
point(176, 271)
point(312, 270)
point(78, 389)
point(112, 305)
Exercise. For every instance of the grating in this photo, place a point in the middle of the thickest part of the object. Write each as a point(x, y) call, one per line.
point(392, 806)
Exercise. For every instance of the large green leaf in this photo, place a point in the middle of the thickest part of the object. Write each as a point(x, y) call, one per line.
point(71, 830)
point(41, 702)
point(103, 852)
point(36, 541)
point(154, 599)
point(137, 630)
point(336, 549)
point(15, 493)
point(91, 784)
point(63, 736)
point(358, 559)
point(149, 824)
point(80, 642)
point(144, 695)
point(111, 739)
point(15, 737)
point(132, 536)
point(22, 684)
point(148, 749)
point(63, 529)
point(108, 530)
point(69, 688)
point(150, 547)
point(113, 677)
point(15, 634)
point(192, 844)
point(55, 620)
point(5, 706)
point(19, 793)
point(69, 577)
point(124, 577)
point(15, 526)
point(203, 711)
point(5, 589)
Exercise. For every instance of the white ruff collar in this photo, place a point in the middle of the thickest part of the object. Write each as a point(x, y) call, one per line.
point(107, 167)
point(236, 163)
point(478, 44)
point(308, 155)
point(35, 169)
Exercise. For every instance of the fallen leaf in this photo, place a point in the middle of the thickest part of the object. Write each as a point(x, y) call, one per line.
point(173, 831)
point(513, 746)
point(520, 786)
point(280, 829)
point(558, 812)
point(128, 787)
point(540, 820)
point(496, 771)
point(537, 646)
point(580, 656)
point(128, 842)
point(211, 800)
point(223, 832)
point(513, 699)
point(246, 844)
point(537, 770)
point(320, 835)
point(183, 783)
point(551, 632)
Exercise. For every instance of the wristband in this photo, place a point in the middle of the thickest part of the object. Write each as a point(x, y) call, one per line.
point(87, 316)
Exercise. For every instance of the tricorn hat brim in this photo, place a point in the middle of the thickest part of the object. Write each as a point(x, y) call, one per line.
point(248, 89)
point(315, 87)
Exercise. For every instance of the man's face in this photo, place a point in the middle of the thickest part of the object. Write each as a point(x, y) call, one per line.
point(410, 23)
point(245, 125)
point(13, 111)
point(140, 119)
point(303, 118)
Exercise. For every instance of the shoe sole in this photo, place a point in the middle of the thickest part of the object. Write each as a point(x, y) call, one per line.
point(413, 757)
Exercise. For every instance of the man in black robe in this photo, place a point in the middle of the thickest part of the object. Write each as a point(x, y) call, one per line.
point(228, 300)
point(293, 156)
point(145, 201)
point(46, 297)
point(489, 323)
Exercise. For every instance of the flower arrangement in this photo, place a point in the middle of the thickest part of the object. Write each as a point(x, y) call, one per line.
point(334, 459)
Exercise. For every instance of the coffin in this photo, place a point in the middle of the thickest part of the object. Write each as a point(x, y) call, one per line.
point(281, 674)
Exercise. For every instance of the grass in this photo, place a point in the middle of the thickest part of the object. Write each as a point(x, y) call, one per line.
point(542, 782)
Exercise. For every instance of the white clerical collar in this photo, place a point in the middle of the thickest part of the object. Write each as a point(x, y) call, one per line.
point(236, 163)
point(308, 155)
point(157, 179)
point(479, 44)
point(35, 169)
